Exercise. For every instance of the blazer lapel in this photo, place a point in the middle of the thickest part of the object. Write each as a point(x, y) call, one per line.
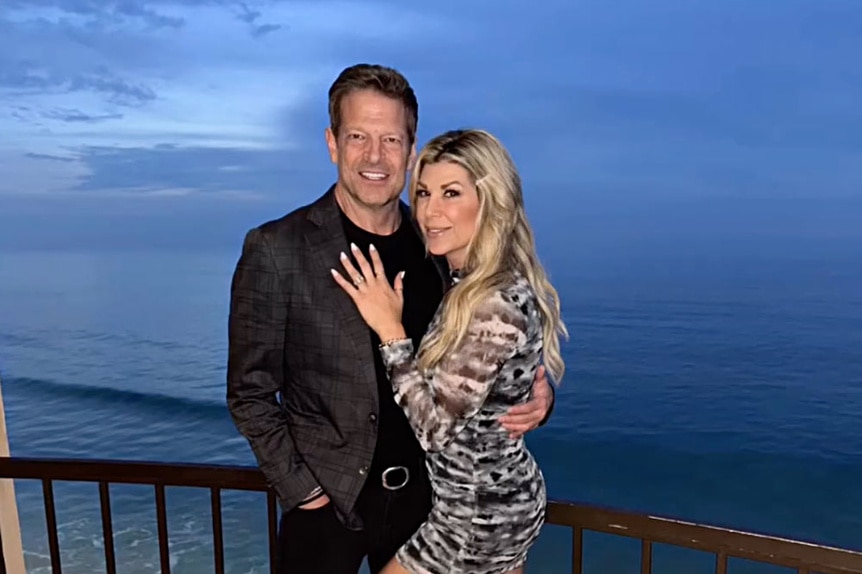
point(326, 240)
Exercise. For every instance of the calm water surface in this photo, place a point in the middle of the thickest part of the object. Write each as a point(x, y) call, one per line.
point(725, 389)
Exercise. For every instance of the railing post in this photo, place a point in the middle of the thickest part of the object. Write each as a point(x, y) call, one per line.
point(11, 549)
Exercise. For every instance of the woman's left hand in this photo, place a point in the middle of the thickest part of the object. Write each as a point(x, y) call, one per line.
point(379, 303)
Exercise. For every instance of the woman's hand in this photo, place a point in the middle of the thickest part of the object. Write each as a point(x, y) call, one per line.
point(379, 303)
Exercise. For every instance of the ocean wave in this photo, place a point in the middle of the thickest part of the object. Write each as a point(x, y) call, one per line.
point(107, 395)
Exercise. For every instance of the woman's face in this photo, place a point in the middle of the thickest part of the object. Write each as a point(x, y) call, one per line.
point(447, 207)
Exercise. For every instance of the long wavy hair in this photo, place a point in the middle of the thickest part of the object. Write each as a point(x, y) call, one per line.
point(503, 242)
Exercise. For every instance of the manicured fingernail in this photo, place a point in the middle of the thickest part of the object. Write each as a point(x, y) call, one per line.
point(403, 273)
point(343, 255)
point(354, 247)
point(334, 272)
point(371, 247)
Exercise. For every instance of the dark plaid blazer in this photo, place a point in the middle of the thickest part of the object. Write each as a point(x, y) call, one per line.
point(293, 331)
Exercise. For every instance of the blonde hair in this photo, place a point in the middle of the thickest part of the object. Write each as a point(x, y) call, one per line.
point(503, 242)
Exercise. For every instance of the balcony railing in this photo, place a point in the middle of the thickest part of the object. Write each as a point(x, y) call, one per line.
point(804, 557)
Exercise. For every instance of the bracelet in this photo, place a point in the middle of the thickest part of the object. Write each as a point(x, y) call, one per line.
point(389, 342)
point(312, 498)
point(313, 494)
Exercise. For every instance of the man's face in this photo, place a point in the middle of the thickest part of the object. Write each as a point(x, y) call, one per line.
point(372, 149)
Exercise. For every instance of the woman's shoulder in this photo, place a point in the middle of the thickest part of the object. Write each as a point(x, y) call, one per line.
point(516, 288)
point(513, 300)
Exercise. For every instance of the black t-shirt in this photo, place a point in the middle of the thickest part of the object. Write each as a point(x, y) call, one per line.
point(423, 291)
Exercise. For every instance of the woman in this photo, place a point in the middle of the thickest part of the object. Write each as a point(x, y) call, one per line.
point(499, 320)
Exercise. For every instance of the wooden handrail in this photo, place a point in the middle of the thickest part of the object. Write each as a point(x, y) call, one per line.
point(805, 557)
point(224, 477)
point(722, 541)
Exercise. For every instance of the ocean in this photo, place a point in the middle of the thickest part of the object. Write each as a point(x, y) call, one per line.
point(721, 385)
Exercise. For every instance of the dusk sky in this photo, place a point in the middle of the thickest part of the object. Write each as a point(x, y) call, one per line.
point(135, 120)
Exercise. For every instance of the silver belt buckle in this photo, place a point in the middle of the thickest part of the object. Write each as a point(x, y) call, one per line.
point(385, 477)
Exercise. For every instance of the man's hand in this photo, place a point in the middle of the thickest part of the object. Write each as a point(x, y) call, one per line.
point(316, 503)
point(524, 418)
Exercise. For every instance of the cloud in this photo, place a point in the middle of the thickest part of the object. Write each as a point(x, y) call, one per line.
point(134, 9)
point(98, 15)
point(22, 79)
point(48, 157)
point(171, 170)
point(72, 115)
point(250, 16)
point(264, 29)
point(168, 169)
point(38, 174)
point(207, 97)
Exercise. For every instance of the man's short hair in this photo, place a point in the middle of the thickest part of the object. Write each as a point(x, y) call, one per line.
point(386, 81)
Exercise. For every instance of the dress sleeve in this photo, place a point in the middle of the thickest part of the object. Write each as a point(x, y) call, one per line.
point(439, 403)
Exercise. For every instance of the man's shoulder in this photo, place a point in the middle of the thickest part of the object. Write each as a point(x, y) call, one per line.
point(291, 221)
point(291, 225)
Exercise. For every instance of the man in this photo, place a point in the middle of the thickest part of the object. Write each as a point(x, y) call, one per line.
point(337, 450)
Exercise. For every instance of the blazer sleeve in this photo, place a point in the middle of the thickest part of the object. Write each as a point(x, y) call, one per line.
point(440, 403)
point(256, 325)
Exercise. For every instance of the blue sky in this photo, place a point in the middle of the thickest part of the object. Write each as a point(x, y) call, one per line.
point(141, 118)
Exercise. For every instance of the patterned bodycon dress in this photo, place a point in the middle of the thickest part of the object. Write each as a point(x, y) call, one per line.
point(488, 492)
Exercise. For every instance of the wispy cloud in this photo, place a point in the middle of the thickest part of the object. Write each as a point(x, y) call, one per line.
point(202, 170)
point(94, 14)
point(250, 17)
point(49, 157)
point(71, 115)
point(25, 79)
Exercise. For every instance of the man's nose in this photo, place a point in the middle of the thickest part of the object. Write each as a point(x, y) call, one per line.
point(372, 151)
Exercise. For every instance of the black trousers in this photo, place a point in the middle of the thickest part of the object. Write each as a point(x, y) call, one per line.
point(315, 541)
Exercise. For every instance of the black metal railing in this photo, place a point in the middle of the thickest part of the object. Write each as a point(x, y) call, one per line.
point(805, 558)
